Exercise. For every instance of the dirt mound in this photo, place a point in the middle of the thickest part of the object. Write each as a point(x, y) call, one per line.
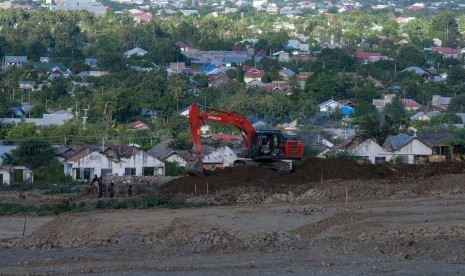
point(313, 170)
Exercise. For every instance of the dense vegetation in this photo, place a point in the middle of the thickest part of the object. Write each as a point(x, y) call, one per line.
point(117, 98)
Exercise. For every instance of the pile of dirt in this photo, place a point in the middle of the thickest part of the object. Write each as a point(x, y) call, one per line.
point(312, 171)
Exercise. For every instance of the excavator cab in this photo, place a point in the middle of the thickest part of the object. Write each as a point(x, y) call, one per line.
point(267, 144)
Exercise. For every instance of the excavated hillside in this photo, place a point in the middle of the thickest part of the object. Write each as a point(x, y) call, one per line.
point(331, 175)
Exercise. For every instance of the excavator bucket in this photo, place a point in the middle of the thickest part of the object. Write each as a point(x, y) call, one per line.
point(194, 166)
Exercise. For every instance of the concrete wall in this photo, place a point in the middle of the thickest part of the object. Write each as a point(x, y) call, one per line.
point(412, 149)
point(371, 149)
point(178, 159)
point(96, 161)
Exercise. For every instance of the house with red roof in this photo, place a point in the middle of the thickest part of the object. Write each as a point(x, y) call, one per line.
point(236, 48)
point(227, 138)
point(261, 53)
point(447, 52)
point(345, 103)
point(411, 104)
point(368, 57)
point(253, 74)
point(142, 16)
point(183, 46)
point(216, 80)
point(138, 125)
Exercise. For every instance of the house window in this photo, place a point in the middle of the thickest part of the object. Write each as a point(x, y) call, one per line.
point(1, 179)
point(84, 173)
point(148, 171)
point(129, 171)
point(380, 160)
point(105, 172)
point(363, 157)
point(403, 159)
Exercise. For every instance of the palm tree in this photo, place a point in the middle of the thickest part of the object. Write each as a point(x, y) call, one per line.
point(9, 86)
point(177, 88)
point(108, 111)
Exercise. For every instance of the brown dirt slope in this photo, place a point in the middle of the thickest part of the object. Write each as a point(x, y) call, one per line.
point(311, 171)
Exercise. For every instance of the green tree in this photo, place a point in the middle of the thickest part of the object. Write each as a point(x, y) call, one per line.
point(445, 119)
point(444, 26)
point(457, 104)
point(22, 130)
point(394, 118)
point(409, 55)
point(323, 85)
point(32, 153)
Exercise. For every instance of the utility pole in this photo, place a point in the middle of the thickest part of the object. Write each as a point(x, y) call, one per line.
point(29, 103)
point(84, 118)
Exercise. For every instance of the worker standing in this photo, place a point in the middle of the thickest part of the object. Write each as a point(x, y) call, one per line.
point(100, 188)
point(111, 189)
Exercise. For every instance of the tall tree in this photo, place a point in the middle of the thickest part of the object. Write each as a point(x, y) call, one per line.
point(444, 26)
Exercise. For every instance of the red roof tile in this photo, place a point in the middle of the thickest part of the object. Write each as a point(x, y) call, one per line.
point(254, 73)
point(138, 125)
point(446, 50)
point(228, 138)
point(409, 103)
point(364, 56)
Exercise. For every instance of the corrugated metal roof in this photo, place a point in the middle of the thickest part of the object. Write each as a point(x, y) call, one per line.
point(433, 138)
point(395, 142)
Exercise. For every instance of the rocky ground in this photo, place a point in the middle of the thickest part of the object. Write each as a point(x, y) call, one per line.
point(329, 217)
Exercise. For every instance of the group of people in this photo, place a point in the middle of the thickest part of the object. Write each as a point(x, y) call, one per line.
point(99, 188)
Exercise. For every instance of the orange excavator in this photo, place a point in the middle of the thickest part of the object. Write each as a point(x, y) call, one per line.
point(263, 148)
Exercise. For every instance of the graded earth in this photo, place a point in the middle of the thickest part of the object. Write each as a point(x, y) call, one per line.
point(328, 217)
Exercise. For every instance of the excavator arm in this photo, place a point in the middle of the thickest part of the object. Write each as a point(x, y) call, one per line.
point(196, 118)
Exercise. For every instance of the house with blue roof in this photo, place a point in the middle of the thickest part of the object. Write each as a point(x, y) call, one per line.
point(286, 74)
point(14, 61)
point(409, 149)
point(92, 62)
point(424, 116)
point(418, 71)
point(20, 111)
point(347, 110)
point(148, 113)
point(207, 68)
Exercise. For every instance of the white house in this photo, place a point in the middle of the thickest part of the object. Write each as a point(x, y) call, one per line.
point(7, 172)
point(294, 43)
point(136, 51)
point(219, 158)
point(405, 148)
point(326, 108)
point(15, 61)
point(163, 152)
point(408, 148)
point(363, 148)
point(424, 116)
point(83, 162)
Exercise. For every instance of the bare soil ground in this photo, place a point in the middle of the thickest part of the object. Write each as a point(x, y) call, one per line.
point(329, 217)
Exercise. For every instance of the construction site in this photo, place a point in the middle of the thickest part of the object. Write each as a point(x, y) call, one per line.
point(330, 216)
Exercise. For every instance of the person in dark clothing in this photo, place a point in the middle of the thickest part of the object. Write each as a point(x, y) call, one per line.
point(111, 189)
point(95, 184)
point(130, 191)
point(100, 188)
